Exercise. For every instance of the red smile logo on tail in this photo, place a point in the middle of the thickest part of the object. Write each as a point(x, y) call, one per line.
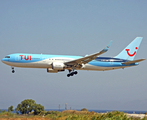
point(131, 55)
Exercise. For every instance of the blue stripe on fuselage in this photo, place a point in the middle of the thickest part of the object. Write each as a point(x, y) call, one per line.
point(105, 64)
point(109, 59)
point(109, 62)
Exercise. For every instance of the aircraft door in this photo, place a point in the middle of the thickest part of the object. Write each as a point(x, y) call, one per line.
point(16, 58)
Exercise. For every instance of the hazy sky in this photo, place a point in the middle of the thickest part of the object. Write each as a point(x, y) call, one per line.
point(73, 27)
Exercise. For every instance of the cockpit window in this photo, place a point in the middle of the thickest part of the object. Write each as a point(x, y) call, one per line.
point(7, 57)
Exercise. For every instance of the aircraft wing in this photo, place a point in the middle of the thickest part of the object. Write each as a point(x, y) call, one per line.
point(88, 58)
point(134, 61)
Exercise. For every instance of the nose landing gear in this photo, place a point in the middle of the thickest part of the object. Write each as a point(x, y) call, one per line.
point(72, 73)
point(13, 71)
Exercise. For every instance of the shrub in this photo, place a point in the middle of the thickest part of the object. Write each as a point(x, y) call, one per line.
point(38, 109)
point(52, 112)
point(10, 108)
point(84, 109)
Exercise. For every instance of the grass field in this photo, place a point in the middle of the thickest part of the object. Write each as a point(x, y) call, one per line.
point(69, 115)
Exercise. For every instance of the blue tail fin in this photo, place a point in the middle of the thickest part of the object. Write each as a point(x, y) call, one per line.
point(130, 51)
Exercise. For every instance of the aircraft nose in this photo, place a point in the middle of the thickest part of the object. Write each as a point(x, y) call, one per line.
point(4, 59)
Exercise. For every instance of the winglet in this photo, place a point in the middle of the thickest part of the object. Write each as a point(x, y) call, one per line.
point(107, 47)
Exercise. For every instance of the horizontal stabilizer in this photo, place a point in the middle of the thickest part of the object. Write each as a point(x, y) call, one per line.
point(134, 61)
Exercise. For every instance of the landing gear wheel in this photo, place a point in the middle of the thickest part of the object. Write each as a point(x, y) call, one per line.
point(13, 71)
point(68, 75)
point(75, 72)
point(72, 73)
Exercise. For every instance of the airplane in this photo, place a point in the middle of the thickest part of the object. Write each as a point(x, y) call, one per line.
point(58, 63)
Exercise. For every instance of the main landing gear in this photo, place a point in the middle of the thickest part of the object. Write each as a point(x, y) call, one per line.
point(72, 73)
point(13, 71)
